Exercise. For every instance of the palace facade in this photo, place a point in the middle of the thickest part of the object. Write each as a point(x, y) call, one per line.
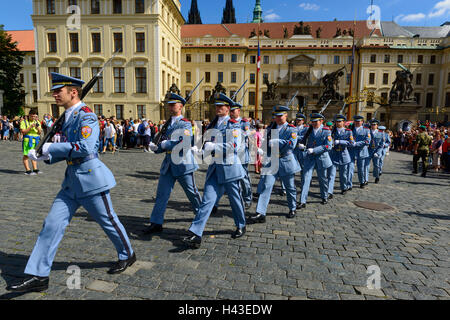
point(155, 50)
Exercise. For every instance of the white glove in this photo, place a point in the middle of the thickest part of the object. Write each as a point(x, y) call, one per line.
point(209, 146)
point(32, 155)
point(165, 144)
point(272, 143)
point(153, 146)
point(376, 155)
point(310, 151)
point(302, 146)
point(196, 150)
point(45, 148)
point(260, 152)
point(336, 142)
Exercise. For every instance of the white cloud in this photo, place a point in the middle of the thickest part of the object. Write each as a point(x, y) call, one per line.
point(410, 17)
point(271, 17)
point(309, 6)
point(440, 8)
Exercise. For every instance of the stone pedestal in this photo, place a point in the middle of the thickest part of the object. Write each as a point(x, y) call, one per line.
point(268, 109)
point(401, 112)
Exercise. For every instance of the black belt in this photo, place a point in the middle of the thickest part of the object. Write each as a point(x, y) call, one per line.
point(78, 161)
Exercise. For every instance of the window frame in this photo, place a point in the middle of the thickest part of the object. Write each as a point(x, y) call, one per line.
point(119, 80)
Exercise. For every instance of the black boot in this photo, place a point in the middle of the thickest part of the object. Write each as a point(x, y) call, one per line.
point(292, 214)
point(257, 218)
point(193, 241)
point(153, 228)
point(30, 284)
point(122, 265)
point(239, 232)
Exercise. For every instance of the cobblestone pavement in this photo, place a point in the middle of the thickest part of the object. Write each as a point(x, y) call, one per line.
point(323, 253)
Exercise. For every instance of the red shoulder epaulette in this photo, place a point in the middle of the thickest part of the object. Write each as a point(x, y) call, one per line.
point(86, 109)
point(184, 119)
point(244, 120)
point(233, 121)
point(292, 126)
point(347, 129)
point(326, 128)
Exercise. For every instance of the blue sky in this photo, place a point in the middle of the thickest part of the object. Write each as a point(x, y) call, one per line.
point(15, 15)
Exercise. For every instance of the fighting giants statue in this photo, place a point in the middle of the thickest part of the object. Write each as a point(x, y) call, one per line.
point(217, 89)
point(401, 87)
point(331, 83)
point(271, 93)
point(172, 89)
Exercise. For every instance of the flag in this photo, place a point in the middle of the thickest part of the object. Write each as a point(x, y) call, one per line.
point(258, 59)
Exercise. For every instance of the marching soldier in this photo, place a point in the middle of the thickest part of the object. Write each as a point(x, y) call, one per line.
point(298, 152)
point(87, 183)
point(223, 175)
point(340, 156)
point(244, 155)
point(422, 150)
point(178, 132)
point(376, 147)
point(286, 168)
point(235, 114)
point(318, 145)
point(387, 145)
point(359, 152)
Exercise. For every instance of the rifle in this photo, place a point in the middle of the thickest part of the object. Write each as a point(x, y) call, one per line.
point(212, 124)
point(325, 106)
point(236, 93)
point(159, 136)
point(302, 108)
point(310, 129)
point(243, 96)
point(292, 99)
point(343, 108)
point(57, 126)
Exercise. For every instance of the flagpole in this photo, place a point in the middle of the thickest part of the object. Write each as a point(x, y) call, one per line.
point(257, 80)
point(349, 110)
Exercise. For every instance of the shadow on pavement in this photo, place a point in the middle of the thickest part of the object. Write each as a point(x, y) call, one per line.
point(10, 171)
point(428, 215)
point(422, 183)
point(13, 265)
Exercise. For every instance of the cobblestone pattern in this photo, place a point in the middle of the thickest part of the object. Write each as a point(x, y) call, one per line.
point(323, 253)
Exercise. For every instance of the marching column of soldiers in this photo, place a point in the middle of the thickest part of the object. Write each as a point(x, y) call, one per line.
point(287, 150)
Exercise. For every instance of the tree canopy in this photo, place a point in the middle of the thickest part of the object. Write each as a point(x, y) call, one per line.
point(11, 60)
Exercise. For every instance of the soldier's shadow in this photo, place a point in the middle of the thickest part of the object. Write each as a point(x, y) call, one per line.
point(175, 205)
point(428, 215)
point(13, 265)
point(10, 171)
point(149, 175)
point(421, 183)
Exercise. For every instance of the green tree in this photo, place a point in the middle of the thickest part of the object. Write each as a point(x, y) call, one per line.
point(11, 60)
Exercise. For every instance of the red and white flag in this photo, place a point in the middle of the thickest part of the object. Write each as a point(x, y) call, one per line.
point(258, 59)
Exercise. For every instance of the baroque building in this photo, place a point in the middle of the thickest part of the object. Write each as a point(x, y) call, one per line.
point(298, 55)
point(157, 50)
point(78, 41)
